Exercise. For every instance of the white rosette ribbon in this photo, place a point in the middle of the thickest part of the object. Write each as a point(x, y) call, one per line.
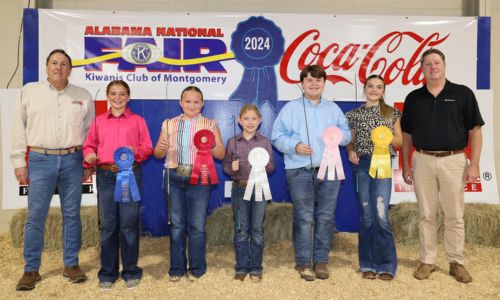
point(258, 159)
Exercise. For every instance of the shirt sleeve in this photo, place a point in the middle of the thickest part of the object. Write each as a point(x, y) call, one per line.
point(344, 127)
point(228, 158)
point(472, 115)
point(282, 136)
point(90, 143)
point(18, 139)
point(91, 113)
point(406, 119)
point(270, 164)
point(145, 148)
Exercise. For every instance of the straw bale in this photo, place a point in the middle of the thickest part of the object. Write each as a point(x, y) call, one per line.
point(277, 224)
point(482, 223)
point(53, 228)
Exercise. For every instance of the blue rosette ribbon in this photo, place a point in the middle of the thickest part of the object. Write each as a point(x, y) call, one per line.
point(126, 189)
point(258, 44)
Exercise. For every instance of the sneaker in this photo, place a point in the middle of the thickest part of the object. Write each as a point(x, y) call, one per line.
point(105, 285)
point(321, 270)
point(305, 273)
point(424, 271)
point(192, 277)
point(28, 281)
point(256, 278)
point(75, 274)
point(132, 283)
point(459, 272)
point(240, 276)
point(174, 278)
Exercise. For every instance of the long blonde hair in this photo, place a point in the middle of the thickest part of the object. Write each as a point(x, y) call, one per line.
point(385, 110)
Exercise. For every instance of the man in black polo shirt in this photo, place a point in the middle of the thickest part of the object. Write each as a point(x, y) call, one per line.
point(437, 120)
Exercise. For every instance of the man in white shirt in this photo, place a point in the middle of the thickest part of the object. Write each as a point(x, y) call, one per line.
point(52, 118)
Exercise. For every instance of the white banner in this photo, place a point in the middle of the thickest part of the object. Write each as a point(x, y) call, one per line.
point(159, 54)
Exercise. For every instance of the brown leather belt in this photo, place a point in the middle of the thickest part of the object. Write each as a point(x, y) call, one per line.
point(184, 170)
point(114, 168)
point(441, 153)
point(240, 183)
point(64, 151)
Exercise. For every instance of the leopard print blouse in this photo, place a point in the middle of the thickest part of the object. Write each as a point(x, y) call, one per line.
point(363, 120)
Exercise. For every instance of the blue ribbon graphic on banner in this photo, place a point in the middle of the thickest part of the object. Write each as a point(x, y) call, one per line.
point(258, 44)
point(126, 189)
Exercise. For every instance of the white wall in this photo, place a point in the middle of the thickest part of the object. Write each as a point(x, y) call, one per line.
point(11, 14)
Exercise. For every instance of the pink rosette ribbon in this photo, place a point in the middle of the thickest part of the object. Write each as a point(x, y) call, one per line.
point(332, 136)
point(204, 140)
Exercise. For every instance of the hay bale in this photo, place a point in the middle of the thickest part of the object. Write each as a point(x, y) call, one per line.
point(53, 228)
point(482, 224)
point(277, 224)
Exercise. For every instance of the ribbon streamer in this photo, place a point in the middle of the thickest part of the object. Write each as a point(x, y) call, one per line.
point(204, 140)
point(258, 159)
point(380, 166)
point(332, 136)
point(126, 188)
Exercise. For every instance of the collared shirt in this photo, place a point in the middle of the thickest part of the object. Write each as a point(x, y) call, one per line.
point(290, 129)
point(109, 132)
point(441, 123)
point(238, 148)
point(181, 149)
point(363, 120)
point(47, 118)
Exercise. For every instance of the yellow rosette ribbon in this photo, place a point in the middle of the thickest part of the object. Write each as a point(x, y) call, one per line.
point(380, 166)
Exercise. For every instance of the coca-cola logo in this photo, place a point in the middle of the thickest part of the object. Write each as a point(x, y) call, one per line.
point(395, 56)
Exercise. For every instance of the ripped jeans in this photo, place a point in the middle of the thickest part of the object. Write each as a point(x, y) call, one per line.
point(376, 248)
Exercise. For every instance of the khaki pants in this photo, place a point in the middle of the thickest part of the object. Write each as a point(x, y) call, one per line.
point(440, 180)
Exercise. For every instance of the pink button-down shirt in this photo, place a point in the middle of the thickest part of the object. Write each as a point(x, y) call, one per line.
point(107, 133)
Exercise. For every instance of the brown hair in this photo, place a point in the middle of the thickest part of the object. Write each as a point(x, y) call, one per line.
point(316, 71)
point(432, 51)
point(385, 110)
point(118, 82)
point(192, 88)
point(248, 107)
point(61, 51)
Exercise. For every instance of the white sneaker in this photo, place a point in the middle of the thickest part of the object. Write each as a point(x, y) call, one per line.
point(105, 285)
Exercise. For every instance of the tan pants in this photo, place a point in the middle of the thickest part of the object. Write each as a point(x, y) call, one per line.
point(440, 180)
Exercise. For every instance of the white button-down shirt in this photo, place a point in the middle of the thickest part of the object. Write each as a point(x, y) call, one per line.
point(48, 118)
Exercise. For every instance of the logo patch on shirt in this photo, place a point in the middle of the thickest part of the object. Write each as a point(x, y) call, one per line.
point(77, 102)
point(449, 100)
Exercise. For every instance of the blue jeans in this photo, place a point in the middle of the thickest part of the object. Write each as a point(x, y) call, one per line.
point(188, 216)
point(46, 172)
point(314, 204)
point(249, 235)
point(119, 228)
point(376, 248)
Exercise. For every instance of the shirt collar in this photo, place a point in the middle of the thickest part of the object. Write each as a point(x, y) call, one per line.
point(126, 113)
point(240, 136)
point(54, 89)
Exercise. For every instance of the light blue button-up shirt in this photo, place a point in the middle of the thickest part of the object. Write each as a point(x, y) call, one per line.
point(290, 129)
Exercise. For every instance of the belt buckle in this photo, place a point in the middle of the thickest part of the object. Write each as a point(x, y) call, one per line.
point(183, 170)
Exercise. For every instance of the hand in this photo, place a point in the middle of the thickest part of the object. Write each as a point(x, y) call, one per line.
point(91, 158)
point(353, 157)
point(303, 149)
point(131, 149)
point(21, 175)
point(236, 165)
point(472, 173)
point(163, 142)
point(87, 173)
point(407, 175)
